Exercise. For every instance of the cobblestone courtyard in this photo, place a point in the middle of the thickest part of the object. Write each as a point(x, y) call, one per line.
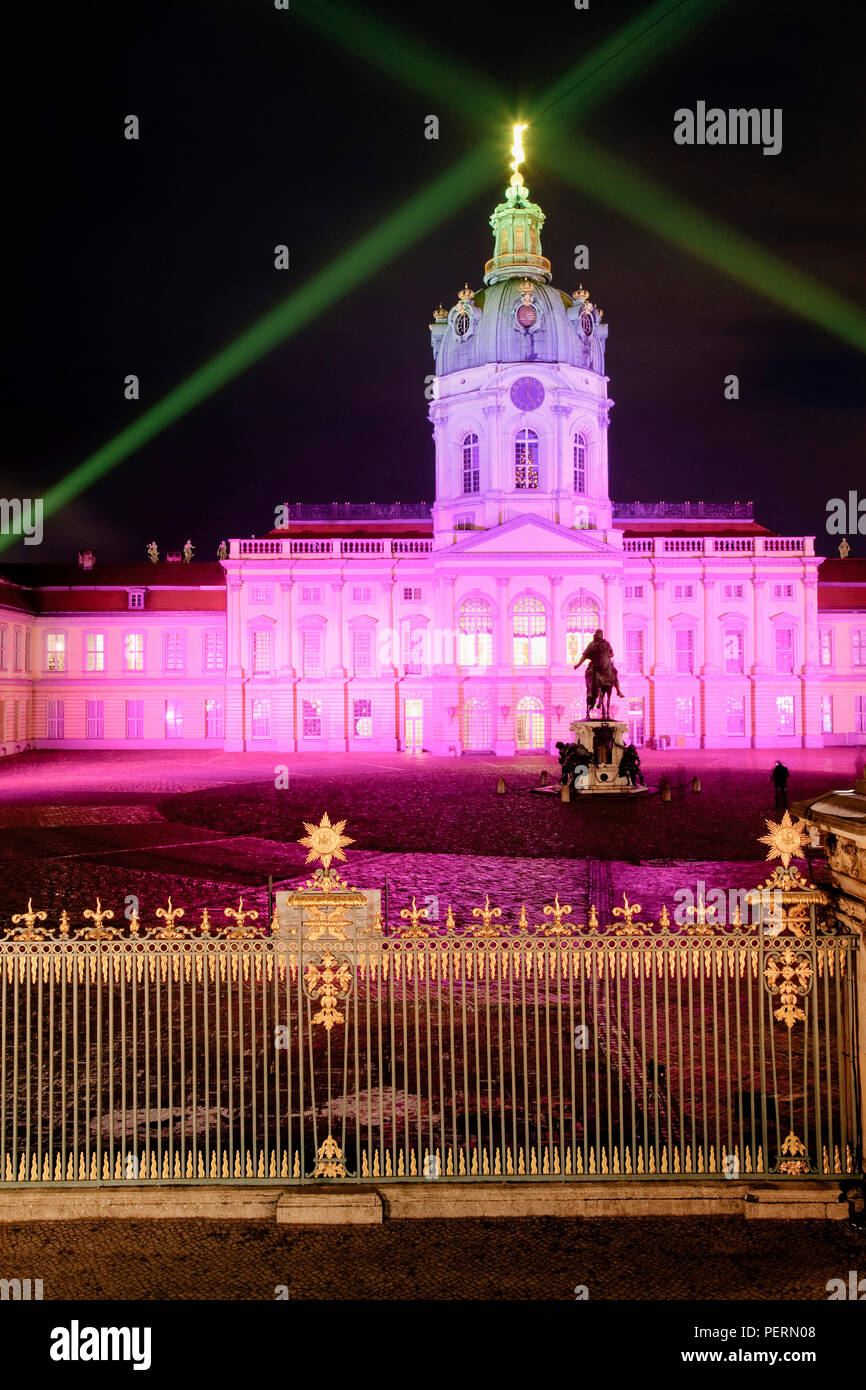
point(207, 827)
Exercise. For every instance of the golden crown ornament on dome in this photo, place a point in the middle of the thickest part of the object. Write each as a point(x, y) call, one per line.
point(440, 315)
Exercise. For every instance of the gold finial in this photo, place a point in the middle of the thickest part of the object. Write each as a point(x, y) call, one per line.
point(523, 921)
point(169, 932)
point(98, 932)
point(205, 925)
point(664, 919)
point(557, 912)
point(486, 913)
point(240, 916)
point(31, 932)
point(325, 841)
point(785, 839)
point(706, 918)
point(627, 912)
point(63, 927)
point(414, 915)
point(440, 315)
point(519, 156)
point(450, 924)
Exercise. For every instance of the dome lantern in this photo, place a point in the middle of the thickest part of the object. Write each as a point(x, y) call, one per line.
point(517, 224)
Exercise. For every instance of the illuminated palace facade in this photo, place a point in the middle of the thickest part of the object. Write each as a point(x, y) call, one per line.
point(454, 627)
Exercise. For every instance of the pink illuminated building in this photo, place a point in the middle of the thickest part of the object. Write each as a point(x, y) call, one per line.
point(454, 627)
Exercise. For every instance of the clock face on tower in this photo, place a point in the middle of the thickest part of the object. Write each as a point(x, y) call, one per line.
point(527, 393)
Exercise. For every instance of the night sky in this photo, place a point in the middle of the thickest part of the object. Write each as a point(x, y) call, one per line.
point(147, 257)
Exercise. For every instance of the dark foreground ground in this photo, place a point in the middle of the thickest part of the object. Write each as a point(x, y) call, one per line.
point(529, 1259)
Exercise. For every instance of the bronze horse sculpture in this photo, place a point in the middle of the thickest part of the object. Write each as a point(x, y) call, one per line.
point(601, 674)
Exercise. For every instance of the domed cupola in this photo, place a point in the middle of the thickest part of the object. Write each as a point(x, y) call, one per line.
point(518, 316)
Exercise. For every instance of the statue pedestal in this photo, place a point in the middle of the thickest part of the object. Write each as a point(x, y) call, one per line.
point(606, 739)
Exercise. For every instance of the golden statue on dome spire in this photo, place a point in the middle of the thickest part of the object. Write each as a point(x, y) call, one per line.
point(519, 155)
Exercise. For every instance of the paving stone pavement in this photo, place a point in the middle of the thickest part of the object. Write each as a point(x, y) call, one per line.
point(650, 1258)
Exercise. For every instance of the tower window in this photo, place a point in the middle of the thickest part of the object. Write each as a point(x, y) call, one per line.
point(580, 463)
point(526, 461)
point(471, 475)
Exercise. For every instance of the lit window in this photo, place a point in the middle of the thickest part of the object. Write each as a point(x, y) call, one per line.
point(261, 653)
point(94, 651)
point(476, 724)
point(784, 650)
point(16, 647)
point(261, 717)
point(174, 718)
point(530, 632)
point(685, 714)
point(361, 593)
point(684, 651)
point(580, 463)
point(684, 591)
point(135, 598)
point(475, 638)
point(826, 636)
point(783, 591)
point(95, 727)
point(214, 650)
point(582, 619)
point(173, 651)
point(55, 651)
point(411, 595)
point(827, 714)
point(133, 651)
point(362, 652)
point(471, 475)
point(312, 719)
point(526, 461)
point(733, 590)
point(634, 590)
point(735, 715)
point(858, 646)
point(362, 718)
point(311, 651)
point(263, 593)
point(311, 593)
point(54, 726)
point(634, 650)
point(784, 714)
point(135, 719)
point(734, 652)
point(464, 521)
point(213, 719)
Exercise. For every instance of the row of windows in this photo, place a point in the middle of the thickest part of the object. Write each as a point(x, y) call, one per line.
point(859, 714)
point(20, 720)
point(95, 719)
point(526, 472)
point(174, 651)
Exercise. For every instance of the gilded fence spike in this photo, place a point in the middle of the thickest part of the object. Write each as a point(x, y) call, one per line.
point(388, 1170)
point(449, 1164)
point(677, 1168)
point(296, 1171)
point(200, 1169)
point(474, 1169)
point(837, 1161)
point(578, 1167)
point(545, 1161)
point(592, 1168)
point(556, 1164)
point(688, 1167)
point(604, 1166)
point(533, 1161)
point(260, 1166)
point(485, 1163)
point(497, 1165)
point(376, 1172)
point(413, 1166)
point(450, 924)
point(365, 1167)
point(616, 1167)
point(748, 1163)
point(522, 921)
point(58, 1169)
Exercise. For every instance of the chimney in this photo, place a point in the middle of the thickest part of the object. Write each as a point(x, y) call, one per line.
point(86, 559)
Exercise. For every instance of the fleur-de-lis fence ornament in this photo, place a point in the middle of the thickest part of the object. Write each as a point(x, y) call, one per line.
point(414, 915)
point(486, 913)
point(170, 932)
point(627, 912)
point(30, 932)
point(706, 919)
point(557, 911)
point(239, 930)
point(98, 915)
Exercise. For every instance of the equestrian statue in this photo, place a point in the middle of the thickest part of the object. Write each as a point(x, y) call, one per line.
point(601, 674)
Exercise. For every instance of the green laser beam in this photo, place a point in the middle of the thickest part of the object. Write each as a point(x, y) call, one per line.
point(420, 215)
point(642, 200)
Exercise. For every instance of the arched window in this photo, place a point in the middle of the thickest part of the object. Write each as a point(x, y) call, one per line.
point(530, 632)
point(470, 463)
point(580, 453)
point(582, 620)
point(526, 461)
point(530, 723)
point(476, 724)
point(475, 641)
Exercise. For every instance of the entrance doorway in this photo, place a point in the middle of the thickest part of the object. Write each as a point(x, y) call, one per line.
point(414, 718)
point(530, 724)
point(636, 723)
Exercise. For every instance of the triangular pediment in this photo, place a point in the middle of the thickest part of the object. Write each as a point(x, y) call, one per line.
point(528, 535)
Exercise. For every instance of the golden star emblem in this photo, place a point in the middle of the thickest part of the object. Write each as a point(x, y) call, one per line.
point(325, 841)
point(785, 839)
